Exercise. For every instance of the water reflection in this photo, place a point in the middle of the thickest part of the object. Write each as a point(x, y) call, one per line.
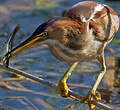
point(39, 61)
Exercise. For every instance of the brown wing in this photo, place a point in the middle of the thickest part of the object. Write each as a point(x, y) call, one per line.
point(85, 9)
point(105, 24)
point(102, 19)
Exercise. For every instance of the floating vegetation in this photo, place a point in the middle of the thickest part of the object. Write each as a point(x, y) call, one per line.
point(116, 41)
point(46, 4)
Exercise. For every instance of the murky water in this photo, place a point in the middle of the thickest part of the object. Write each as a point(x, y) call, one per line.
point(39, 61)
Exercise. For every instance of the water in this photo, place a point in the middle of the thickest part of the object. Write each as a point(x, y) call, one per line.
point(39, 61)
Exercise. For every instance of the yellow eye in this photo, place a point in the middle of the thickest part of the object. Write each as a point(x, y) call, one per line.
point(43, 34)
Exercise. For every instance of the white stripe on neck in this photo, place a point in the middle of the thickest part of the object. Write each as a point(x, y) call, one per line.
point(98, 8)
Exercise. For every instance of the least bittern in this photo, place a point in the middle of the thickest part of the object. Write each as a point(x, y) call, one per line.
point(82, 33)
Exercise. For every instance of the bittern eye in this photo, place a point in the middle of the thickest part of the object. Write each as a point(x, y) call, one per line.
point(43, 34)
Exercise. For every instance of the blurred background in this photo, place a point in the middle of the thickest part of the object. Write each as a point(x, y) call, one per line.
point(23, 94)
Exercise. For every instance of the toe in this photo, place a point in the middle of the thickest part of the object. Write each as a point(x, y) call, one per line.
point(98, 96)
point(90, 97)
point(62, 89)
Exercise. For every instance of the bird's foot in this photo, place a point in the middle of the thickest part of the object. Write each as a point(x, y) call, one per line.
point(90, 97)
point(62, 89)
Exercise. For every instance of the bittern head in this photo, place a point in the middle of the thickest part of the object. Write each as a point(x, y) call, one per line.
point(54, 29)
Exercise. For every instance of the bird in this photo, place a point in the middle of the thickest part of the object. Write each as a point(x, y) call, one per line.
point(81, 34)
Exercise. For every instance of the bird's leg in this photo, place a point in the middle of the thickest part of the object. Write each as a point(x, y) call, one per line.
point(62, 87)
point(101, 74)
point(92, 93)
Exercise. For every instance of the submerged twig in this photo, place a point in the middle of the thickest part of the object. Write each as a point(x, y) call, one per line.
point(11, 79)
point(11, 98)
point(50, 84)
point(4, 85)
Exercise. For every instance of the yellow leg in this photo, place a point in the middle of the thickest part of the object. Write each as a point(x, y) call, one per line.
point(62, 87)
point(92, 93)
point(101, 74)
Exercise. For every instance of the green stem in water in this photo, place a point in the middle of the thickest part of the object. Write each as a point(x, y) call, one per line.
point(9, 46)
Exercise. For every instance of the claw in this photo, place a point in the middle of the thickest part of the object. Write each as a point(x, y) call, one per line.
point(98, 96)
point(91, 96)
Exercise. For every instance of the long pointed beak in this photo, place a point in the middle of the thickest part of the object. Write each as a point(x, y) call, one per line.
point(30, 42)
